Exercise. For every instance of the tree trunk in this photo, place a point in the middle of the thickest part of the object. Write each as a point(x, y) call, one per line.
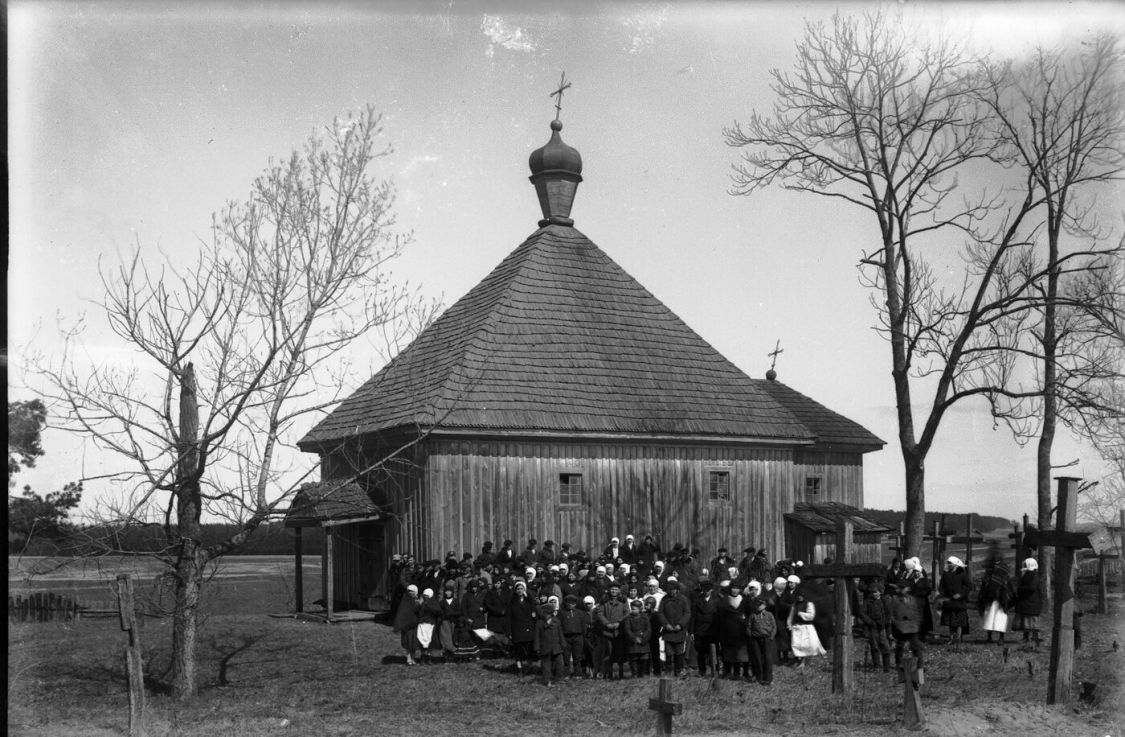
point(184, 621)
point(188, 567)
point(1049, 340)
point(915, 520)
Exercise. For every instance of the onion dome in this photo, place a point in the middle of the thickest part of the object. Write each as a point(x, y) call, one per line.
point(556, 170)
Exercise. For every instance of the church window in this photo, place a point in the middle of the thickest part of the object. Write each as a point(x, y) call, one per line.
point(570, 489)
point(814, 484)
point(719, 486)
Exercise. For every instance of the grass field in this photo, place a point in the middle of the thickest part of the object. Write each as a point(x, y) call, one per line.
point(264, 675)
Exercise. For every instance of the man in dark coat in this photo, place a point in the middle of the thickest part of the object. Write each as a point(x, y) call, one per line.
point(647, 553)
point(506, 556)
point(609, 617)
point(703, 624)
point(487, 556)
point(548, 556)
point(719, 565)
point(674, 615)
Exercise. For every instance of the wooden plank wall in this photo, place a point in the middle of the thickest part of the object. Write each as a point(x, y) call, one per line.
point(493, 490)
point(842, 475)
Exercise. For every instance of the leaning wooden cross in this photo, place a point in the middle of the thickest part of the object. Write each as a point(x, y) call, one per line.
point(665, 708)
point(1066, 542)
point(912, 717)
point(844, 573)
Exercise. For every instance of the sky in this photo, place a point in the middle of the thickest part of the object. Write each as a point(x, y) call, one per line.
point(131, 123)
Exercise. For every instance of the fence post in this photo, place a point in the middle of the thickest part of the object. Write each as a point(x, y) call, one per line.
point(133, 665)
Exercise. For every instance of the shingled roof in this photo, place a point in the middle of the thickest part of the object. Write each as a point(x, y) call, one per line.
point(821, 517)
point(830, 428)
point(326, 502)
point(560, 339)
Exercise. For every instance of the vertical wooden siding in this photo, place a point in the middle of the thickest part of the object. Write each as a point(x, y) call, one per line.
point(477, 491)
point(842, 475)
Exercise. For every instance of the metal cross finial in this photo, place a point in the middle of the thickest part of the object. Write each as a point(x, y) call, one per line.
point(774, 353)
point(563, 85)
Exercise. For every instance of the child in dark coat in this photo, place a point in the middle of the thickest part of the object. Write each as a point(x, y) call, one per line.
point(762, 628)
point(876, 619)
point(576, 628)
point(549, 643)
point(637, 631)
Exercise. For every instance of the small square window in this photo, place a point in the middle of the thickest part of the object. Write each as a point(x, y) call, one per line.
point(570, 489)
point(718, 483)
point(813, 485)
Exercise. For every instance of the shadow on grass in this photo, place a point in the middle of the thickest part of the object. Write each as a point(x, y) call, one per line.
point(228, 653)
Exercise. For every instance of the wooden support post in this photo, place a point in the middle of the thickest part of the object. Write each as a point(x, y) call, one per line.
point(935, 553)
point(844, 571)
point(298, 553)
point(1103, 606)
point(912, 717)
point(969, 542)
point(664, 707)
point(328, 586)
point(134, 666)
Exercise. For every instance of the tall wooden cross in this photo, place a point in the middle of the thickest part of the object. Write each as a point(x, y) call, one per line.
point(844, 574)
point(563, 86)
point(968, 539)
point(1065, 542)
point(664, 707)
point(777, 350)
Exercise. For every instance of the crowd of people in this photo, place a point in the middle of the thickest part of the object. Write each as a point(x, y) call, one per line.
point(632, 608)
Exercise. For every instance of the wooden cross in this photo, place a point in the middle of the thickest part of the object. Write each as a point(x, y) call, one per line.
point(844, 574)
point(664, 707)
point(912, 717)
point(968, 539)
point(777, 349)
point(563, 86)
point(1066, 542)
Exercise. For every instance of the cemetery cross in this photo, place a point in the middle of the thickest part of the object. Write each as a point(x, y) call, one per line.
point(844, 574)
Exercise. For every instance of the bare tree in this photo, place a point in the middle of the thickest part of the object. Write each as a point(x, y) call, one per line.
point(244, 345)
point(871, 119)
point(1061, 119)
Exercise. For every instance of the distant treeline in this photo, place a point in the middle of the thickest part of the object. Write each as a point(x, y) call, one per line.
point(266, 540)
point(953, 521)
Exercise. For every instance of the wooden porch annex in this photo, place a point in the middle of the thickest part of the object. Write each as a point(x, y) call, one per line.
point(337, 507)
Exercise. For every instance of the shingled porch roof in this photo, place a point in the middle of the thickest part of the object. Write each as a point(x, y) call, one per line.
point(560, 339)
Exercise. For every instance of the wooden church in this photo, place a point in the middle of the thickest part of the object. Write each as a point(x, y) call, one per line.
point(559, 399)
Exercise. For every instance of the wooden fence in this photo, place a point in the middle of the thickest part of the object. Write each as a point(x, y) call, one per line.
point(44, 606)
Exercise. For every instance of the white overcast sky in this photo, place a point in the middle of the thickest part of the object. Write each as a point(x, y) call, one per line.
point(133, 122)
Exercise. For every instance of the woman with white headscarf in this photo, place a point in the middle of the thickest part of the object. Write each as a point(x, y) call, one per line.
point(954, 590)
point(406, 622)
point(1029, 602)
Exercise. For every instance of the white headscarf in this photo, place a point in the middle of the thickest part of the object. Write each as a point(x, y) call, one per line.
point(1030, 565)
point(954, 561)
